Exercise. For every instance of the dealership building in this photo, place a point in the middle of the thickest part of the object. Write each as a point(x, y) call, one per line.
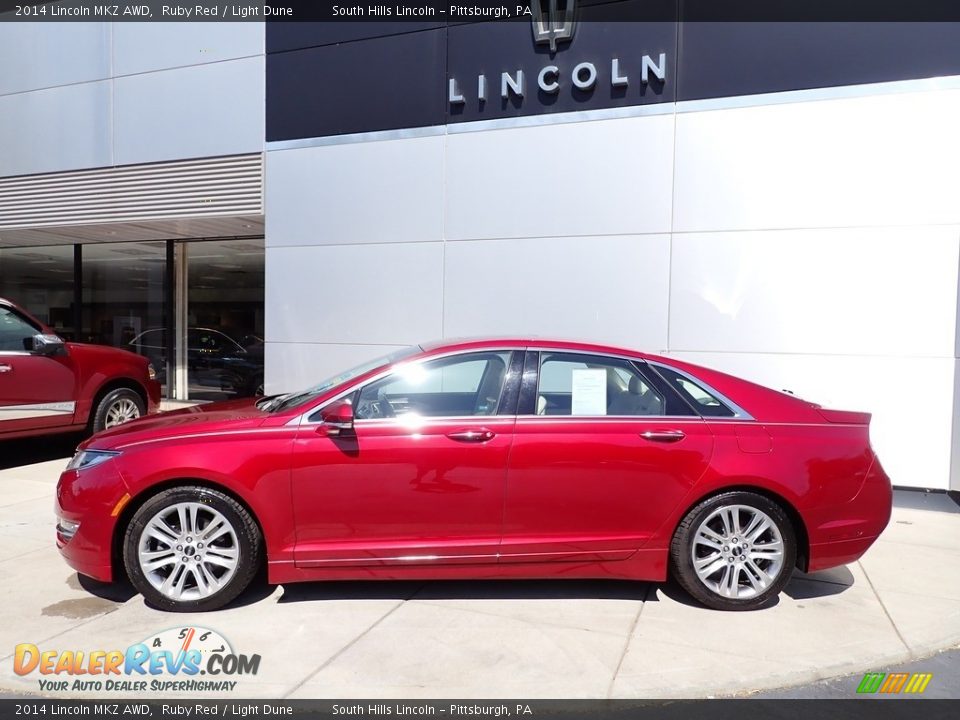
point(780, 201)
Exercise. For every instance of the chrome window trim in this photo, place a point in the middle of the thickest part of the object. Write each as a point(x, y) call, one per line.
point(304, 417)
point(738, 412)
point(617, 356)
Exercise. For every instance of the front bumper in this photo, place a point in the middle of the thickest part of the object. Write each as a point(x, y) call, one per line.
point(89, 497)
point(153, 396)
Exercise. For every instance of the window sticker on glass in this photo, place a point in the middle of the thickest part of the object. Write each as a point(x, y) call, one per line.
point(589, 392)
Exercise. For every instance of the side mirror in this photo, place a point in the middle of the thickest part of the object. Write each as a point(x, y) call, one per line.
point(48, 345)
point(336, 419)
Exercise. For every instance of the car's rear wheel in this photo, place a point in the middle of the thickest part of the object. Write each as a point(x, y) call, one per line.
point(734, 551)
point(191, 549)
point(117, 407)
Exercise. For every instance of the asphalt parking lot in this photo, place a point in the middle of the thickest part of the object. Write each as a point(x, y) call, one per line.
point(491, 639)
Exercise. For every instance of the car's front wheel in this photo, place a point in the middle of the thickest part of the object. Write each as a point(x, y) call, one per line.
point(191, 549)
point(734, 551)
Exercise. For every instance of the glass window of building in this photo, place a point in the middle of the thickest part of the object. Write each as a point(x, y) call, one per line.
point(224, 331)
point(40, 280)
point(124, 298)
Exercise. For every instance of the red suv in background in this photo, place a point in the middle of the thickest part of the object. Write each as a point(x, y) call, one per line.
point(49, 386)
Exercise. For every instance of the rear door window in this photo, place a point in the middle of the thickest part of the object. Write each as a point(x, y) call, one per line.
point(577, 384)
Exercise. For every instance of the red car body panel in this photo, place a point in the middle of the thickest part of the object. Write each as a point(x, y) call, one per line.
point(541, 497)
point(77, 376)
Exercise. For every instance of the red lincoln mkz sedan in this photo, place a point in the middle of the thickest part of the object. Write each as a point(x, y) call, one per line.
point(481, 459)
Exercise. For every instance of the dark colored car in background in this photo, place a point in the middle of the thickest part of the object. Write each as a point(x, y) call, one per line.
point(215, 361)
point(51, 386)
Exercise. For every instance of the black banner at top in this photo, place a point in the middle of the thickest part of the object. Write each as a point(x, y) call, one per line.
point(466, 11)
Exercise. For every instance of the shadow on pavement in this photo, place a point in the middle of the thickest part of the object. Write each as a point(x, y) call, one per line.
point(467, 590)
point(118, 592)
point(806, 586)
point(801, 587)
point(28, 451)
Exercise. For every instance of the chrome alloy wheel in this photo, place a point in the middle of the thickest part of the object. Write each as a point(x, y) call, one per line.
point(737, 551)
point(188, 551)
point(120, 411)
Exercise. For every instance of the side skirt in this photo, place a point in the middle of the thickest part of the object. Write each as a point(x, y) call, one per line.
point(648, 565)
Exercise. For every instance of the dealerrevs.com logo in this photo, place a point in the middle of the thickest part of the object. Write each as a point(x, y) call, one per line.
point(190, 659)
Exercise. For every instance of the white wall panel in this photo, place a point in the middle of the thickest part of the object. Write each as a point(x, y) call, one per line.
point(389, 191)
point(295, 366)
point(902, 393)
point(881, 160)
point(145, 46)
point(46, 54)
point(200, 111)
point(859, 291)
point(610, 289)
point(355, 294)
point(589, 178)
point(62, 128)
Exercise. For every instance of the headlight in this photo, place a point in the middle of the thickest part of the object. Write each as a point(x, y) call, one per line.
point(89, 458)
point(151, 371)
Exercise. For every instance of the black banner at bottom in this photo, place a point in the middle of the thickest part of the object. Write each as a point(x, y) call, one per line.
point(739, 709)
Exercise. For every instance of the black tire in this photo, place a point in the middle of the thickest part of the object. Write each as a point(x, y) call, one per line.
point(248, 543)
point(112, 400)
point(682, 553)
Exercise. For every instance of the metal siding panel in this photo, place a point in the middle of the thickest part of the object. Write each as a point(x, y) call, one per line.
point(198, 111)
point(61, 128)
point(189, 188)
point(148, 46)
point(37, 55)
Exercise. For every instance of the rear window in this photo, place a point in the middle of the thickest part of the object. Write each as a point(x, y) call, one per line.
point(703, 401)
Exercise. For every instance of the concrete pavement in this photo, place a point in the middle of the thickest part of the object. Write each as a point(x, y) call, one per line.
point(497, 638)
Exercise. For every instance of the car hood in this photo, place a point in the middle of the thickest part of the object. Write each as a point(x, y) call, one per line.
point(210, 417)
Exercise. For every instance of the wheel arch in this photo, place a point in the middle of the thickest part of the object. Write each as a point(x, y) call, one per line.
point(796, 519)
point(109, 386)
point(138, 500)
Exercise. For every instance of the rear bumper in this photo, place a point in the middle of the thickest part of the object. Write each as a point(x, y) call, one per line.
point(841, 535)
point(832, 554)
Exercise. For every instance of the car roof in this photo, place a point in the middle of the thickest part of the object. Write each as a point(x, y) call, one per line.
point(480, 343)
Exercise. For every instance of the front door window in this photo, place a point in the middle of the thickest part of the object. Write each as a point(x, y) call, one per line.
point(458, 386)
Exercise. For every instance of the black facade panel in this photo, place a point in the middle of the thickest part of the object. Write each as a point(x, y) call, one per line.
point(494, 48)
point(284, 36)
point(383, 83)
point(346, 77)
point(728, 59)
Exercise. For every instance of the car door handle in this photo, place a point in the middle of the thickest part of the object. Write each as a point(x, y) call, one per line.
point(663, 436)
point(478, 435)
point(6, 368)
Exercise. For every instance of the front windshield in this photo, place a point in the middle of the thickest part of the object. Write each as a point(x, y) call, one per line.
point(282, 402)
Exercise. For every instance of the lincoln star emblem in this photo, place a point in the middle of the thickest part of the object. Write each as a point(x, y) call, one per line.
point(553, 21)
